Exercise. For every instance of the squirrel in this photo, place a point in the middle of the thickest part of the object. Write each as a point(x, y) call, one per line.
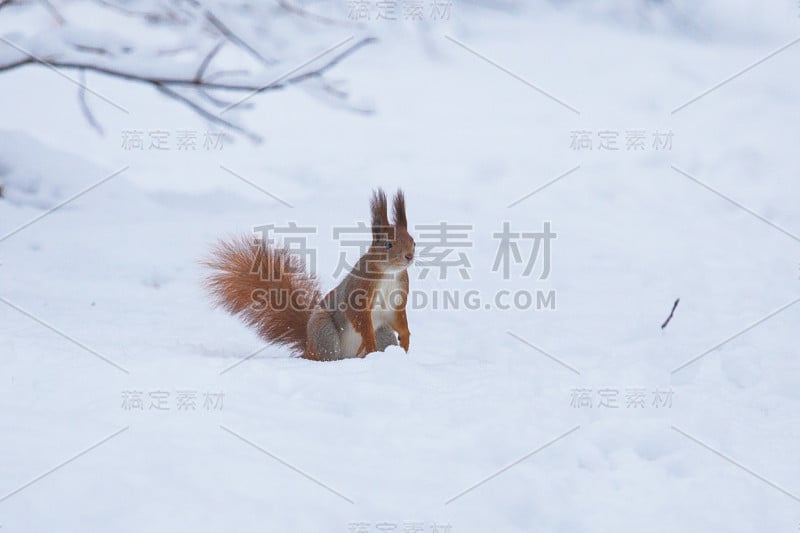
point(270, 290)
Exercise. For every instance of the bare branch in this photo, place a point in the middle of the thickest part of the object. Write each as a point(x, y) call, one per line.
point(152, 18)
point(60, 20)
point(333, 62)
point(201, 70)
point(200, 110)
point(92, 49)
point(235, 39)
point(219, 102)
point(191, 82)
point(221, 73)
point(202, 29)
point(166, 52)
point(87, 112)
point(300, 11)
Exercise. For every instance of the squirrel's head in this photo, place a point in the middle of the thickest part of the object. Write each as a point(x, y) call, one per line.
point(391, 243)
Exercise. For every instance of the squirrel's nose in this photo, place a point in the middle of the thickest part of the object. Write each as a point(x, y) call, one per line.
point(409, 257)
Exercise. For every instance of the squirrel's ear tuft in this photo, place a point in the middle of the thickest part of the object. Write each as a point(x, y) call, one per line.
point(399, 209)
point(377, 205)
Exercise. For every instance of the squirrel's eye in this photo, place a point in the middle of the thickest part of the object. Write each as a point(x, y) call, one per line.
point(388, 245)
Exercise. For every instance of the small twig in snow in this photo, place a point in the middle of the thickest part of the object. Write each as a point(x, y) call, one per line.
point(670, 314)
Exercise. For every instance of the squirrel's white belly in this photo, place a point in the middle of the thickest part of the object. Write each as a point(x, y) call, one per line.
point(387, 300)
point(351, 341)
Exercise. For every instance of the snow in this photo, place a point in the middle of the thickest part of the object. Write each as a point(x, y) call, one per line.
point(392, 438)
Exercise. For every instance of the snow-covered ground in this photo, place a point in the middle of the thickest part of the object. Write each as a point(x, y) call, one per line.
point(485, 424)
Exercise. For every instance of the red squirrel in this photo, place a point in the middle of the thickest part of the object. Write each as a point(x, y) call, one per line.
point(270, 290)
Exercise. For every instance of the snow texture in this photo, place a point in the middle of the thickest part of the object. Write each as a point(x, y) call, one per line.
point(483, 425)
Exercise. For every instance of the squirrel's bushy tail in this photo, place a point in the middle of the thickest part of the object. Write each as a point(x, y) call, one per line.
point(268, 288)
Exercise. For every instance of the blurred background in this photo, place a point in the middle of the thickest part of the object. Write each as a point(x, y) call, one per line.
point(656, 138)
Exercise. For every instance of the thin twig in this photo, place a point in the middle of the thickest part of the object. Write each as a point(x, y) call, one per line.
point(188, 82)
point(87, 112)
point(670, 314)
point(152, 18)
point(297, 10)
point(200, 110)
point(181, 13)
point(201, 70)
point(220, 73)
point(91, 49)
point(235, 39)
point(217, 102)
point(59, 18)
